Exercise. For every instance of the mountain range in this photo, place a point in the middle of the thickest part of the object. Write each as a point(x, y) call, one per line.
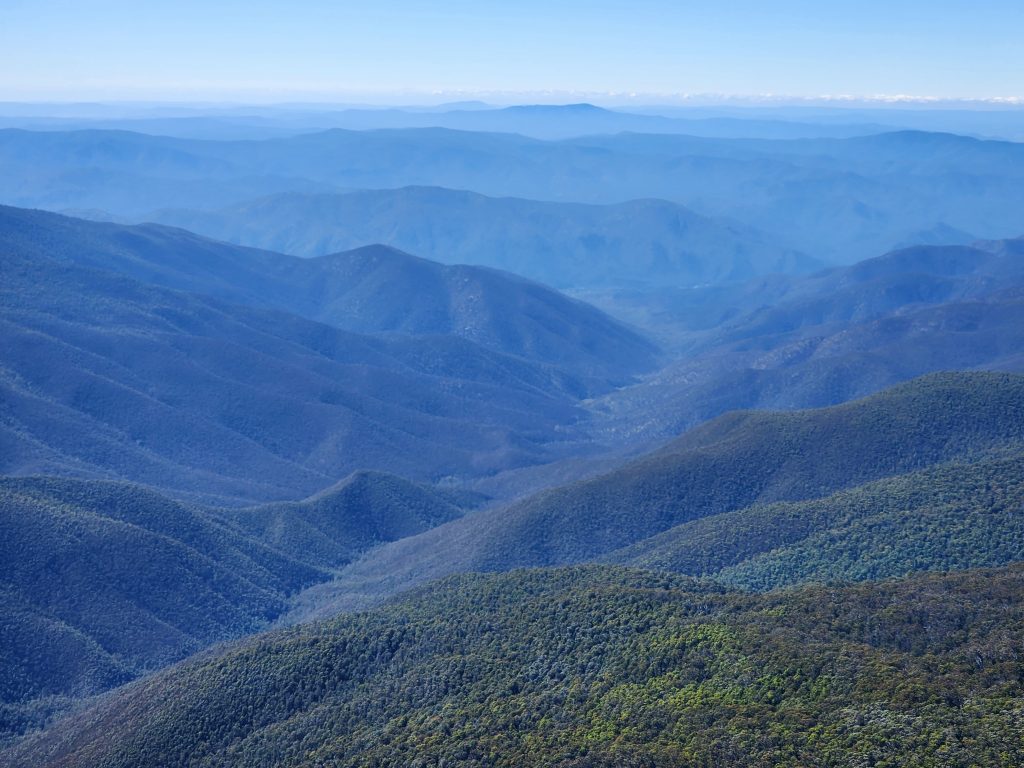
point(645, 242)
point(537, 120)
point(540, 121)
point(368, 290)
point(736, 461)
point(926, 476)
point(106, 581)
point(106, 376)
point(745, 486)
point(832, 199)
point(785, 342)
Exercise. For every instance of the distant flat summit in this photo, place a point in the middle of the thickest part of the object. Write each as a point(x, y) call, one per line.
point(582, 108)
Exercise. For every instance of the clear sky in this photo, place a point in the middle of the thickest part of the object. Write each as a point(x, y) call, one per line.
point(309, 49)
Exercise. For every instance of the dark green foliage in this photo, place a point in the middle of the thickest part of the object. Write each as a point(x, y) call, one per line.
point(595, 666)
point(949, 517)
point(103, 581)
point(725, 465)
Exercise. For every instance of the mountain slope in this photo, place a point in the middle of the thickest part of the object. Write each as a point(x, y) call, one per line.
point(788, 342)
point(376, 288)
point(734, 461)
point(563, 244)
point(947, 517)
point(103, 376)
point(593, 667)
point(104, 581)
point(896, 281)
point(906, 277)
point(330, 528)
point(372, 289)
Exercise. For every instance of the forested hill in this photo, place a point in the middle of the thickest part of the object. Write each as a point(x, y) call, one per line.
point(369, 289)
point(106, 376)
point(105, 581)
point(962, 514)
point(595, 666)
point(735, 461)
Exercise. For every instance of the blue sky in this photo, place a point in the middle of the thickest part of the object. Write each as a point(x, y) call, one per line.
point(308, 49)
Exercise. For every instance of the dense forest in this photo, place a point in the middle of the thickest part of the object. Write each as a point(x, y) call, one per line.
point(595, 666)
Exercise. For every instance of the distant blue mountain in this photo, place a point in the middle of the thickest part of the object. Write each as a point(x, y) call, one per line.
point(563, 244)
point(542, 121)
point(832, 199)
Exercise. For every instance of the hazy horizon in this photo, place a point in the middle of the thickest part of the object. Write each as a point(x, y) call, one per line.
point(405, 51)
point(490, 99)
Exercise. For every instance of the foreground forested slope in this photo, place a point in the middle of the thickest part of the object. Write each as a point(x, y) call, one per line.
point(104, 581)
point(595, 666)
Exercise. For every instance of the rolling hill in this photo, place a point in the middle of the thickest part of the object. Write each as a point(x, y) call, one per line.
point(593, 667)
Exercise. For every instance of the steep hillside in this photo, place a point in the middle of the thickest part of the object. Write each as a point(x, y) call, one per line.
point(377, 288)
point(104, 581)
point(104, 376)
point(330, 528)
point(784, 342)
point(948, 517)
point(368, 290)
point(563, 244)
point(594, 667)
point(732, 462)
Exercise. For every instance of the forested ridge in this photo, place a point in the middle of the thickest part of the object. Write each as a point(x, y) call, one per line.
point(105, 581)
point(712, 488)
point(595, 666)
point(957, 515)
